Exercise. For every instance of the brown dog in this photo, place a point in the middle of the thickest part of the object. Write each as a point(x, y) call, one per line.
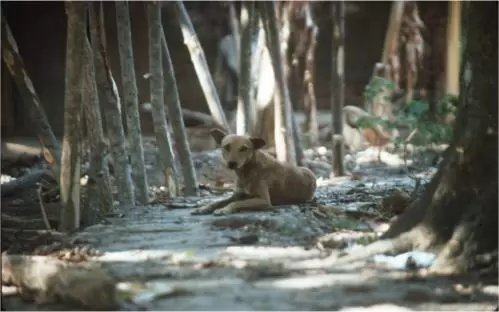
point(262, 181)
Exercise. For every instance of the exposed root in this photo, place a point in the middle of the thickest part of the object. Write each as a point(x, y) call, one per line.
point(400, 244)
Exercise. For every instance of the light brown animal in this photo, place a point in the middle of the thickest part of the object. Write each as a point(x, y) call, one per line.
point(262, 181)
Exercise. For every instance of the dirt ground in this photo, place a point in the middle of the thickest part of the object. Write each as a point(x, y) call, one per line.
point(166, 259)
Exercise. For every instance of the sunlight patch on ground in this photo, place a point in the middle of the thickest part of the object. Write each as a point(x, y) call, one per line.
point(142, 293)
point(316, 281)
point(377, 308)
point(139, 255)
point(417, 258)
point(264, 253)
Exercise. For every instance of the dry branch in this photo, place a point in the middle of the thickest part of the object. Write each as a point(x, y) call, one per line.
point(25, 182)
point(165, 152)
point(15, 65)
point(200, 65)
point(177, 122)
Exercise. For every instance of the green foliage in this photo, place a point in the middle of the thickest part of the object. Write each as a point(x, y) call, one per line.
point(414, 116)
point(375, 87)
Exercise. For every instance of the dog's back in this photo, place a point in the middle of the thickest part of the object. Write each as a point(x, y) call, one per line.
point(287, 184)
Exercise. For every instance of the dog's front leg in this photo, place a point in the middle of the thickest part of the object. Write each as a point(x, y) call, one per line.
point(261, 202)
point(237, 195)
point(251, 204)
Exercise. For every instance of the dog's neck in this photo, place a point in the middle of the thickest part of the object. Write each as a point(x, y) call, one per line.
point(251, 164)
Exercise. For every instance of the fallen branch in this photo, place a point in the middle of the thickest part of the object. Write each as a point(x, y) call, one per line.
point(48, 280)
point(25, 182)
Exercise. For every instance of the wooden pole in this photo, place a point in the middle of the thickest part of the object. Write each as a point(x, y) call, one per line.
point(453, 48)
point(338, 85)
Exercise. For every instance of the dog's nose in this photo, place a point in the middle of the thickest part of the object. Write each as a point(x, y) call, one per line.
point(232, 165)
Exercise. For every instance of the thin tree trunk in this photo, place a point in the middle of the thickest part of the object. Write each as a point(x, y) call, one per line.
point(99, 191)
point(177, 120)
point(392, 32)
point(70, 159)
point(109, 97)
point(234, 27)
point(131, 100)
point(15, 65)
point(453, 48)
point(165, 154)
point(310, 100)
point(338, 86)
point(245, 123)
point(200, 65)
point(285, 145)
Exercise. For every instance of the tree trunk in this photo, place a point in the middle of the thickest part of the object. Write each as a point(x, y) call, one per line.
point(310, 102)
point(70, 159)
point(165, 154)
point(176, 118)
point(234, 27)
point(245, 123)
point(457, 214)
point(99, 191)
point(15, 65)
point(390, 57)
point(109, 97)
point(131, 100)
point(338, 86)
point(200, 65)
point(285, 145)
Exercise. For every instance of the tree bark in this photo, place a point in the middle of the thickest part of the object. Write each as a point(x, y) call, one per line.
point(245, 121)
point(457, 214)
point(176, 118)
point(99, 191)
point(200, 65)
point(112, 112)
point(285, 145)
point(15, 65)
point(70, 158)
point(131, 100)
point(165, 154)
point(310, 102)
point(338, 86)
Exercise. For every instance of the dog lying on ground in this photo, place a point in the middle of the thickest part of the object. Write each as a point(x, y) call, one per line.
point(262, 181)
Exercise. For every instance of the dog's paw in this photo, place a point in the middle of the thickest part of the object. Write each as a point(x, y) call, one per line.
point(201, 211)
point(222, 212)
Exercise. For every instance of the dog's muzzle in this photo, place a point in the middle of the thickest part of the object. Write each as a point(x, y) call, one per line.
point(232, 165)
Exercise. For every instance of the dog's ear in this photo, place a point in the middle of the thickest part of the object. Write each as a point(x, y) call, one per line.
point(258, 143)
point(218, 135)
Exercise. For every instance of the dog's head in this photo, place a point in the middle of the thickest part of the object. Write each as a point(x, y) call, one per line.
point(237, 150)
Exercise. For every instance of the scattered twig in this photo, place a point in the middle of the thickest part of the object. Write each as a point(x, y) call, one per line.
point(42, 208)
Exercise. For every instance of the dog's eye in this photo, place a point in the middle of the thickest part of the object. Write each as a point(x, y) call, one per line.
point(227, 148)
point(243, 148)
